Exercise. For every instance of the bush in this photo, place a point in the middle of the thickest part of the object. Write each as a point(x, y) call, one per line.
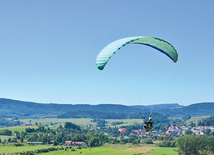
point(44, 150)
point(148, 141)
point(18, 144)
point(167, 143)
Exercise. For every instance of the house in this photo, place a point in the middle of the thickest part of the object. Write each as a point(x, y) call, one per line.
point(122, 130)
point(136, 131)
point(79, 144)
point(71, 143)
point(68, 142)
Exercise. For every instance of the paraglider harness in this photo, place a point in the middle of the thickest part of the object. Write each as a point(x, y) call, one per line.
point(149, 124)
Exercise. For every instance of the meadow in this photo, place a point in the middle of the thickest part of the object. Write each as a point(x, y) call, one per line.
point(58, 121)
point(113, 149)
point(78, 121)
point(17, 128)
point(13, 129)
point(196, 118)
point(13, 149)
point(119, 150)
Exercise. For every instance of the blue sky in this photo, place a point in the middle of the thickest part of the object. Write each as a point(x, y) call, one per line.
point(48, 51)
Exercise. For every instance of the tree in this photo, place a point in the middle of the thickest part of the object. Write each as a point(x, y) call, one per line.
point(34, 137)
point(188, 132)
point(94, 142)
point(79, 137)
point(9, 140)
point(210, 145)
point(45, 139)
point(17, 134)
point(148, 141)
point(191, 145)
point(123, 140)
point(70, 125)
point(208, 132)
point(6, 132)
point(101, 123)
point(167, 143)
point(187, 145)
point(22, 140)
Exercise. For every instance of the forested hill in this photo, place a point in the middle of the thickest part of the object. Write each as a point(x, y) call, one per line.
point(197, 109)
point(21, 109)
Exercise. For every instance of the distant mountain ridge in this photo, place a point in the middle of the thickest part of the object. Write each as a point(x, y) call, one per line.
point(22, 109)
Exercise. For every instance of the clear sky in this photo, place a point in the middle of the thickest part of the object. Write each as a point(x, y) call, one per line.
point(48, 50)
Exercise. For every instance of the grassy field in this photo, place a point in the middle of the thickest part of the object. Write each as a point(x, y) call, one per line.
point(195, 119)
point(13, 129)
point(2, 137)
point(126, 122)
point(78, 121)
point(14, 149)
point(59, 121)
point(163, 151)
point(119, 150)
point(18, 128)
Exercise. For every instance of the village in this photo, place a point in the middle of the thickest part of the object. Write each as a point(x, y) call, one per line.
point(172, 131)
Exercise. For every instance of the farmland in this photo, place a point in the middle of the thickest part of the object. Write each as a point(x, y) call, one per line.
point(17, 128)
point(79, 121)
point(13, 149)
point(117, 149)
point(54, 133)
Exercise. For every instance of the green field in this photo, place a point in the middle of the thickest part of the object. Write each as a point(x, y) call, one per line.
point(78, 121)
point(14, 149)
point(13, 129)
point(126, 122)
point(18, 128)
point(2, 137)
point(195, 119)
point(119, 150)
point(163, 151)
point(59, 121)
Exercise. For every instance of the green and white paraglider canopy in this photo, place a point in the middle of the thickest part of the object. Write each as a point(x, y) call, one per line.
point(159, 44)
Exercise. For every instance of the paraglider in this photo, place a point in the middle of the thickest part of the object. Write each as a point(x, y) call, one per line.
point(149, 124)
point(159, 44)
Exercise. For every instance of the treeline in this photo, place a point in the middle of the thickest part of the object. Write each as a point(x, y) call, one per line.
point(58, 136)
point(114, 115)
point(9, 122)
point(6, 132)
point(198, 109)
point(192, 145)
point(204, 122)
point(14, 108)
point(99, 114)
point(71, 132)
point(20, 109)
point(167, 143)
point(207, 122)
